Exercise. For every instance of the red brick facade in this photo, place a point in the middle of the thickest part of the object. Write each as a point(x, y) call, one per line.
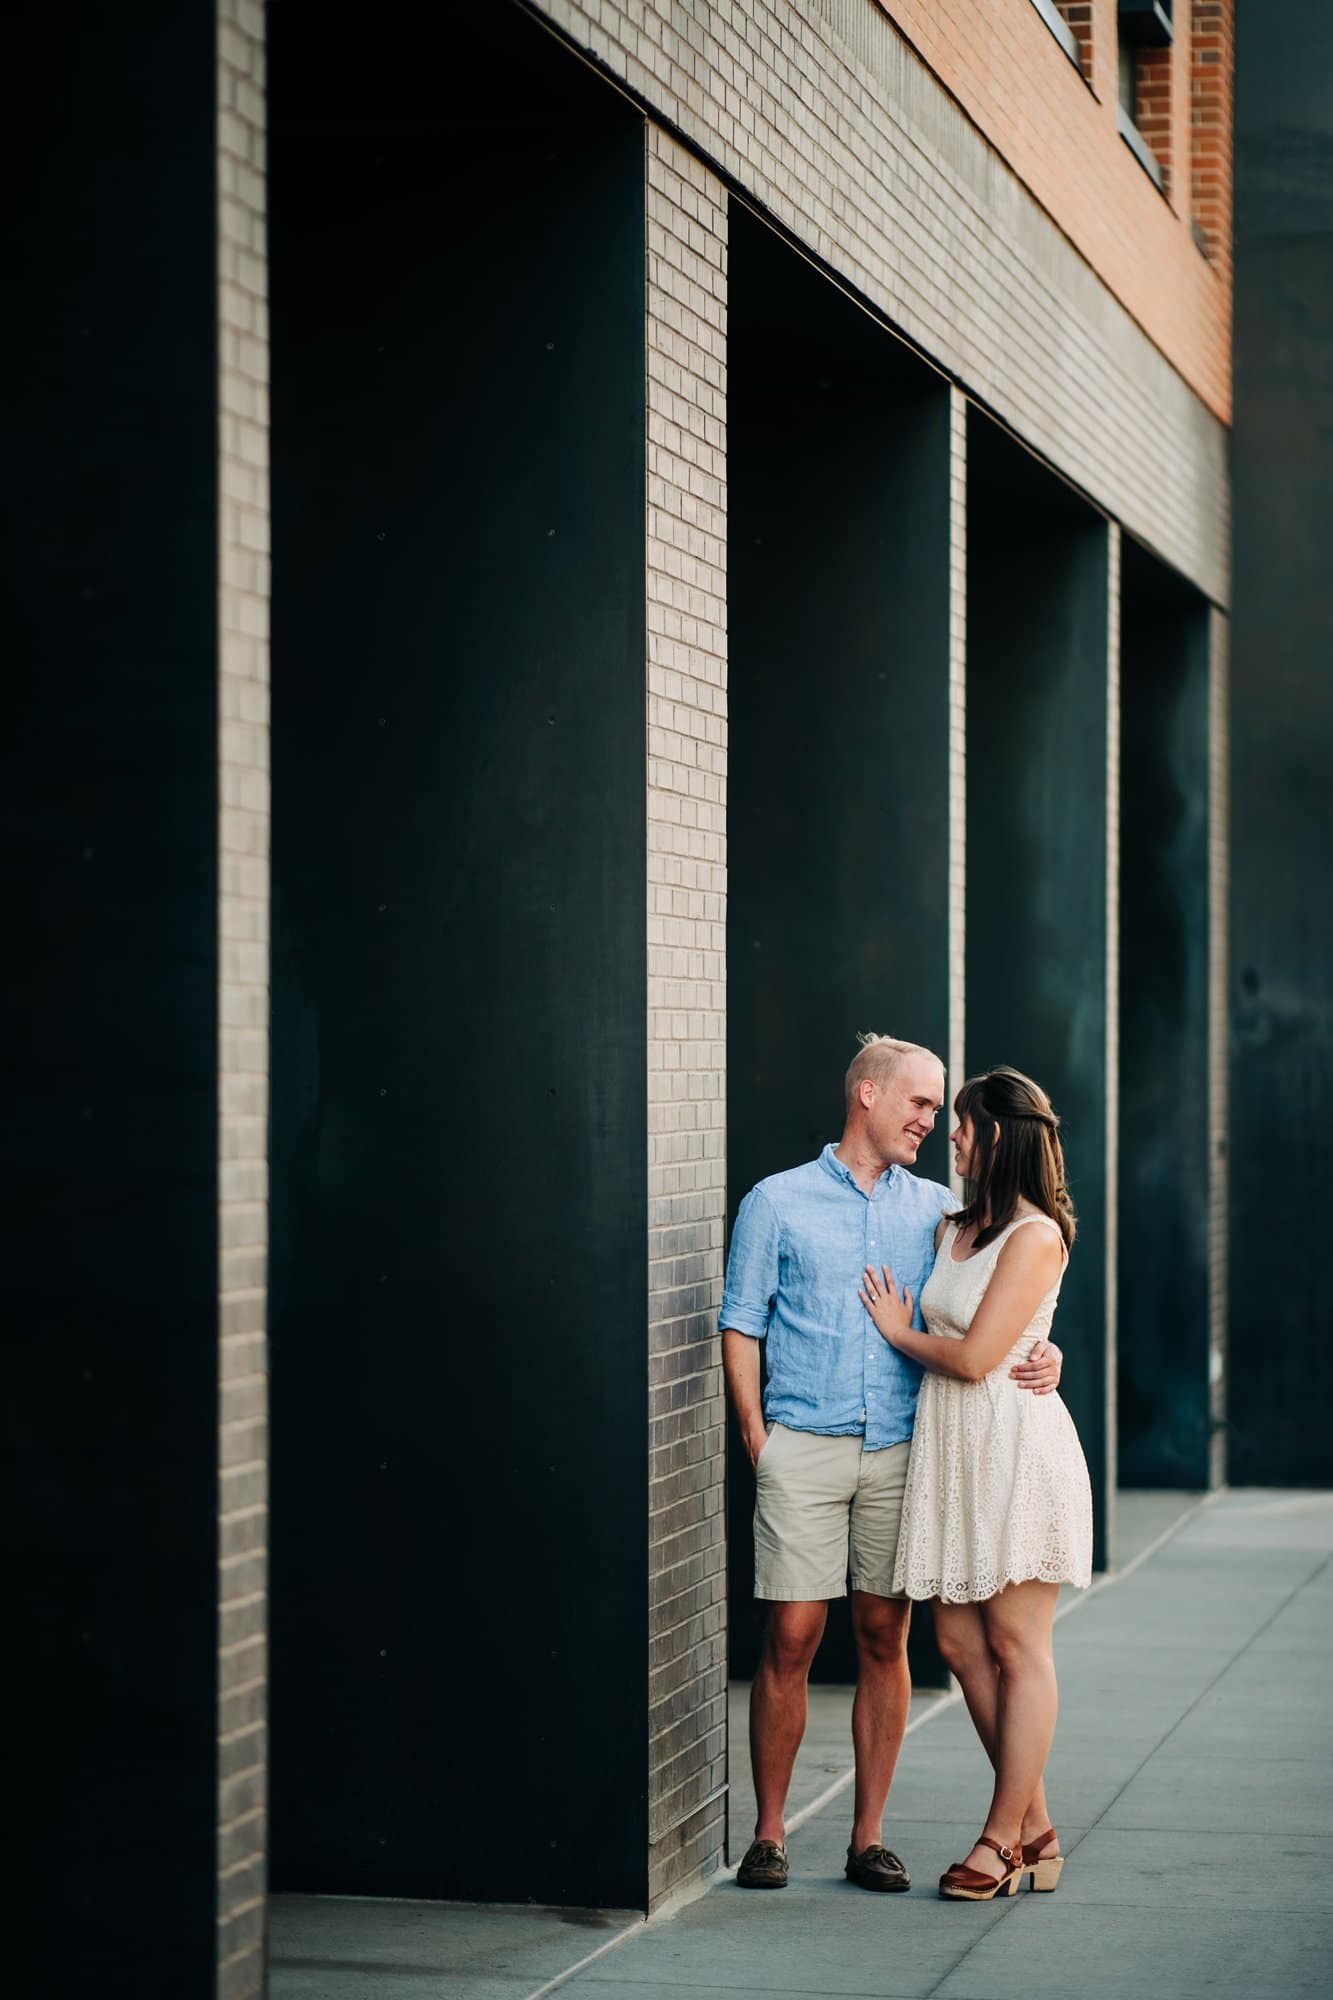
point(1057, 130)
point(1155, 100)
point(1077, 16)
point(1212, 55)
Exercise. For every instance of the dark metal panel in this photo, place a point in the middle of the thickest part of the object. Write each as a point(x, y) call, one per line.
point(1037, 622)
point(110, 1539)
point(1164, 1424)
point(838, 451)
point(1280, 1375)
point(459, 1214)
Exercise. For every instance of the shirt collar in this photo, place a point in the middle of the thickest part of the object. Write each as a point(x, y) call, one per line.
point(834, 1167)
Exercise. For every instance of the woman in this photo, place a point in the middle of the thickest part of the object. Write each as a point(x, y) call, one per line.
point(998, 1509)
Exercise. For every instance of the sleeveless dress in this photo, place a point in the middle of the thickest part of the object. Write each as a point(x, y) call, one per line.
point(997, 1484)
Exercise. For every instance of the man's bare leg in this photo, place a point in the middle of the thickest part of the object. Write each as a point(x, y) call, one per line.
point(879, 1712)
point(777, 1708)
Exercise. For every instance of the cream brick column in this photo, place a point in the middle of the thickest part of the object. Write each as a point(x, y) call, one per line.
point(687, 762)
point(243, 996)
point(1219, 837)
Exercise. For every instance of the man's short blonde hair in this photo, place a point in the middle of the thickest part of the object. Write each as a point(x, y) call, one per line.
point(878, 1058)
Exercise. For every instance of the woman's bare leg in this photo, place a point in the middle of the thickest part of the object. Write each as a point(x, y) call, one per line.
point(960, 1632)
point(1018, 1632)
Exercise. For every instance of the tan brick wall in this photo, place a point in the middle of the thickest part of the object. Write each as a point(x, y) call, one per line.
point(687, 749)
point(826, 117)
point(243, 993)
point(1005, 68)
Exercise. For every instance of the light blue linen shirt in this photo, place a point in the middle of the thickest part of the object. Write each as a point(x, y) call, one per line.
point(801, 1242)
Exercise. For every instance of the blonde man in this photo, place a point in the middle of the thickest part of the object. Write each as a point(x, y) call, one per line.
point(829, 1440)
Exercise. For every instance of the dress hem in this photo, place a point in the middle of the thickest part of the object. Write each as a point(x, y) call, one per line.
point(1030, 1576)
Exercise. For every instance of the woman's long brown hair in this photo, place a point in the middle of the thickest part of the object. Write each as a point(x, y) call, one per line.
point(1023, 1158)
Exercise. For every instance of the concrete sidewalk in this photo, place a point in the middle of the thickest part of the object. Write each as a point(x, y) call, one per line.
point(1192, 1783)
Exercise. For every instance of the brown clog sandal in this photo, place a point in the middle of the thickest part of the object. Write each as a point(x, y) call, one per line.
point(1043, 1873)
point(972, 1885)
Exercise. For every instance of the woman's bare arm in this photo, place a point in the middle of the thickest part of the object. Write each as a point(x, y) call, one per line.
point(1028, 1266)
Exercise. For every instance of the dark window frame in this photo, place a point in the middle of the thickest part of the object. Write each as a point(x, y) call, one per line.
point(1141, 24)
point(1139, 147)
point(1061, 29)
point(1146, 23)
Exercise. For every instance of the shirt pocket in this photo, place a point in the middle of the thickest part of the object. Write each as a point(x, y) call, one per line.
point(909, 1277)
point(820, 1279)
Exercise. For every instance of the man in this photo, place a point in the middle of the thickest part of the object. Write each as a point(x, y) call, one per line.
point(829, 1442)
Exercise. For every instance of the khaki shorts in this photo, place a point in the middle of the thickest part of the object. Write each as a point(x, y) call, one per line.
point(825, 1506)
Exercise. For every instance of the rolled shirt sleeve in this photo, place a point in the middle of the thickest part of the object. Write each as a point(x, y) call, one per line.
point(752, 1267)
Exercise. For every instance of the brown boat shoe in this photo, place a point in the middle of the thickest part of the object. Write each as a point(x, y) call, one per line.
point(764, 1866)
point(877, 1867)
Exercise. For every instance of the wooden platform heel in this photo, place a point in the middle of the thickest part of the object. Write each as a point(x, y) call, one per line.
point(1043, 1874)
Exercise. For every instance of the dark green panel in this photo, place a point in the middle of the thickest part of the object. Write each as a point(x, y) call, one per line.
point(459, 1209)
point(1280, 1363)
point(110, 1529)
point(838, 780)
point(1164, 1425)
point(1036, 850)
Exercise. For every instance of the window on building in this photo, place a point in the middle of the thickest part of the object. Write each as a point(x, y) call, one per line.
point(1146, 20)
point(1070, 21)
point(1128, 65)
point(1146, 34)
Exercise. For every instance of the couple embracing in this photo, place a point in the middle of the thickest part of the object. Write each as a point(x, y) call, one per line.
point(919, 1457)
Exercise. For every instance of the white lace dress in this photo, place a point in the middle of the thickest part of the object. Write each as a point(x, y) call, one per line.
point(997, 1484)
